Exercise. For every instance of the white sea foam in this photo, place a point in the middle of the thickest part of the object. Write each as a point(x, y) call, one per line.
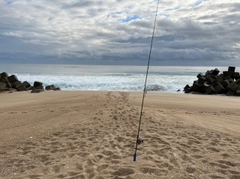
point(110, 82)
point(110, 78)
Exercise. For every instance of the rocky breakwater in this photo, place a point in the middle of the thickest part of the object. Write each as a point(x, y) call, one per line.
point(214, 82)
point(11, 83)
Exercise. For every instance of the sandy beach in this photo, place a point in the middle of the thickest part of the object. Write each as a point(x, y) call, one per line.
point(83, 135)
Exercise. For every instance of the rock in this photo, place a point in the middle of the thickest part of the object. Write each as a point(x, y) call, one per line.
point(200, 75)
point(201, 80)
point(219, 88)
point(50, 87)
point(214, 83)
point(187, 89)
point(215, 72)
point(8, 83)
point(26, 84)
point(230, 93)
point(21, 87)
point(16, 83)
point(210, 90)
point(3, 75)
point(210, 80)
point(39, 87)
point(231, 69)
point(37, 83)
point(219, 78)
point(238, 92)
point(13, 84)
point(12, 78)
point(226, 74)
point(30, 88)
point(195, 86)
point(57, 89)
point(225, 83)
point(2, 86)
point(232, 87)
point(236, 75)
point(36, 91)
point(238, 82)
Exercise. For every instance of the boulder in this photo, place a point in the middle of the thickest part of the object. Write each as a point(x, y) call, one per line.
point(210, 80)
point(225, 83)
point(37, 83)
point(12, 78)
point(195, 86)
point(26, 84)
point(30, 88)
point(215, 72)
point(16, 83)
point(238, 82)
point(200, 75)
point(3, 75)
point(39, 87)
point(219, 78)
point(219, 88)
point(57, 89)
point(8, 83)
point(236, 75)
point(232, 87)
point(231, 69)
point(2, 86)
point(210, 90)
point(201, 80)
point(226, 74)
point(238, 92)
point(230, 93)
point(208, 75)
point(203, 88)
point(21, 87)
point(50, 87)
point(13, 84)
point(214, 83)
point(36, 91)
point(187, 89)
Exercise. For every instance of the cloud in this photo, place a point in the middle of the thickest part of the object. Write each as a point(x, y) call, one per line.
point(119, 31)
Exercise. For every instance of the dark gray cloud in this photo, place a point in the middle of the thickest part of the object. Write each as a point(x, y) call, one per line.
point(119, 32)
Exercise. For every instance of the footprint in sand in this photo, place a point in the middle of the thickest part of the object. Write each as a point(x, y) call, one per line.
point(190, 170)
point(213, 149)
point(153, 171)
point(102, 167)
point(225, 155)
point(35, 176)
point(57, 168)
point(123, 172)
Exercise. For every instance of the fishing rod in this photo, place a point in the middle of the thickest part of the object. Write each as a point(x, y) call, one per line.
point(139, 140)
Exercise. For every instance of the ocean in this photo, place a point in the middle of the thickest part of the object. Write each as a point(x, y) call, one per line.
point(107, 78)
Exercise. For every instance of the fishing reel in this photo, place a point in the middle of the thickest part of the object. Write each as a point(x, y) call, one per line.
point(139, 141)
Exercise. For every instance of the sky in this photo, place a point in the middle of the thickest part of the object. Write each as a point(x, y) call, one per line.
point(119, 32)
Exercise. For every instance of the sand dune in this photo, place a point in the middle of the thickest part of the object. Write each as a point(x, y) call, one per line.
point(93, 134)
